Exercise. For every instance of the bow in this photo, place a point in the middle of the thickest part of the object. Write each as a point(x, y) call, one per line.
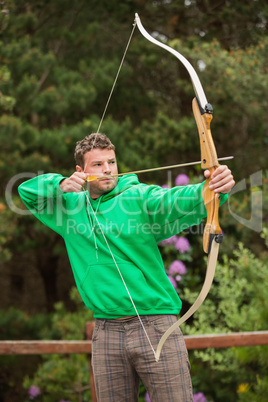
point(212, 234)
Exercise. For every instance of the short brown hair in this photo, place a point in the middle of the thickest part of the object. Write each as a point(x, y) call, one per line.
point(92, 141)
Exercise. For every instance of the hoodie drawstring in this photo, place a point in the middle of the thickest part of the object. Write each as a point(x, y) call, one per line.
point(93, 224)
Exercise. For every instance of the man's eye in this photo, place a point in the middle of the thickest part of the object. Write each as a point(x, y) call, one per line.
point(112, 162)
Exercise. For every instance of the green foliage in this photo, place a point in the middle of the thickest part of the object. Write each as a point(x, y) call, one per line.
point(239, 113)
point(237, 302)
point(58, 376)
point(64, 377)
point(7, 228)
point(71, 325)
point(6, 102)
point(246, 213)
point(16, 324)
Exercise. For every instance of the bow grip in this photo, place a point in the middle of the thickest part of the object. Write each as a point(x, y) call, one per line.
point(212, 229)
point(209, 161)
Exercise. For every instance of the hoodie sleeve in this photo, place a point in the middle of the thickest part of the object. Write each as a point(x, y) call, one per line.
point(43, 196)
point(174, 210)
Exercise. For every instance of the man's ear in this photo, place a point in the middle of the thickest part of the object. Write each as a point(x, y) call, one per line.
point(79, 169)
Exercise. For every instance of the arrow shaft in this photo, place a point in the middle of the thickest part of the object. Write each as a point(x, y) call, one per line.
point(92, 178)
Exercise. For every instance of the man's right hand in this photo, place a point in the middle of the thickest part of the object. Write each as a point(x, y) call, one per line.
point(74, 183)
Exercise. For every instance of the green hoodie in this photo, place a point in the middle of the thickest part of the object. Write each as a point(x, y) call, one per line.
point(134, 218)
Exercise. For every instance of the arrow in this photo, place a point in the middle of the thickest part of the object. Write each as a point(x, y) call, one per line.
point(92, 178)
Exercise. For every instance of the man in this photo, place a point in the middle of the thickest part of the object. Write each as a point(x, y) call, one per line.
point(111, 233)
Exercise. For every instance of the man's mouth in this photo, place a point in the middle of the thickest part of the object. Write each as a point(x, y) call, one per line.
point(106, 179)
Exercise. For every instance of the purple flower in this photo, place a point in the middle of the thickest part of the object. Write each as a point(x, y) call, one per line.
point(182, 180)
point(168, 242)
point(147, 398)
point(177, 267)
point(173, 282)
point(182, 244)
point(178, 278)
point(200, 397)
point(165, 186)
point(34, 391)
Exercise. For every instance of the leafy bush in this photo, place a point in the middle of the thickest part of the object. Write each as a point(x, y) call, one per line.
point(237, 302)
point(64, 377)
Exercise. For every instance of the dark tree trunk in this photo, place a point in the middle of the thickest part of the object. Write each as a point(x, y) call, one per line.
point(47, 264)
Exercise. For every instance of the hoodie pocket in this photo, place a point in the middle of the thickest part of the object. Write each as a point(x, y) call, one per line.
point(104, 287)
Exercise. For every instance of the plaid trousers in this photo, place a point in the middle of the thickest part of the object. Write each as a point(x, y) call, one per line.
point(122, 356)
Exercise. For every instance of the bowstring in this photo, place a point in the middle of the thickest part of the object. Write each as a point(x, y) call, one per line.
point(116, 77)
point(113, 86)
point(88, 200)
point(120, 273)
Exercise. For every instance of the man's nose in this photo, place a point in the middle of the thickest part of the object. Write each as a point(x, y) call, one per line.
point(106, 168)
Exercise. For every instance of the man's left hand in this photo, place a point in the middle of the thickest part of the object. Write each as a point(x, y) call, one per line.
point(222, 180)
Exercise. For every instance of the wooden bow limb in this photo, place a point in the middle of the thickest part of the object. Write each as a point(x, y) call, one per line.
point(211, 267)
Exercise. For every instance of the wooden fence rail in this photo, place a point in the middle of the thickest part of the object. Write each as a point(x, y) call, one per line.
point(70, 347)
point(73, 347)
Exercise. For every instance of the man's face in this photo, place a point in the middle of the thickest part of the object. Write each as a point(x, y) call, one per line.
point(100, 162)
